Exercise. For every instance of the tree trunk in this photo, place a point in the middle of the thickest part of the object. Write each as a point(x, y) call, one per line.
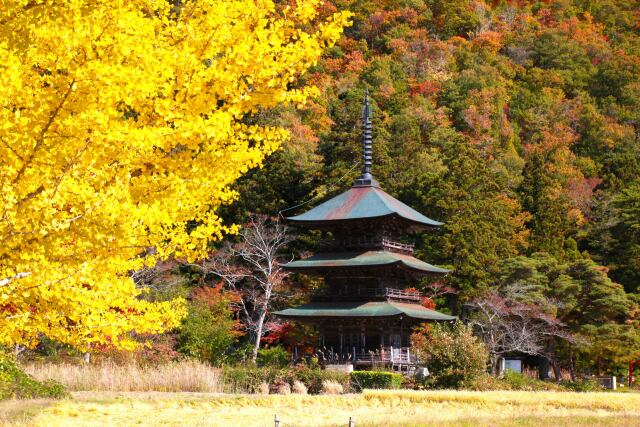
point(495, 364)
point(572, 366)
point(18, 349)
point(553, 359)
point(259, 327)
point(543, 368)
point(557, 372)
point(452, 299)
point(87, 357)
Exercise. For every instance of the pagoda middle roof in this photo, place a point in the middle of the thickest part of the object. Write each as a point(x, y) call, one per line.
point(361, 202)
point(332, 260)
point(363, 309)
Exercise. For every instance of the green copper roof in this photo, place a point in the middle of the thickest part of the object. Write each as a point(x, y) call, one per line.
point(363, 309)
point(362, 259)
point(362, 202)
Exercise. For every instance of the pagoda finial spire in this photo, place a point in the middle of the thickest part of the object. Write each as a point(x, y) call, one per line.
point(366, 179)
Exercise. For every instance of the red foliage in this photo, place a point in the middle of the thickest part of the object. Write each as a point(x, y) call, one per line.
point(428, 303)
point(426, 88)
point(9, 308)
point(278, 332)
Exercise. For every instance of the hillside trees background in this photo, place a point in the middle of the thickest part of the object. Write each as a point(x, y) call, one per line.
point(516, 124)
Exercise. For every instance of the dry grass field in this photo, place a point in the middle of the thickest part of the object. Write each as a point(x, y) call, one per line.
point(187, 375)
point(371, 408)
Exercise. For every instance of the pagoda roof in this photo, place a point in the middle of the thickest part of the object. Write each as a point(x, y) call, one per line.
point(332, 260)
point(361, 202)
point(363, 309)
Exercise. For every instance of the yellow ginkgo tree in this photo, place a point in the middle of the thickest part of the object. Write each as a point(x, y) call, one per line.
point(122, 125)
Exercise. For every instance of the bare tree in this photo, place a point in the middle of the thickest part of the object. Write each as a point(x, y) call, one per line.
point(508, 325)
point(438, 288)
point(251, 268)
point(160, 278)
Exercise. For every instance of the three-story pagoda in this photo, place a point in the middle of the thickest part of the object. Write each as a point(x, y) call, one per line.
point(366, 312)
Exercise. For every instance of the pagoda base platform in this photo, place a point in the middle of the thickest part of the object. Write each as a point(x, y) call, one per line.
point(388, 358)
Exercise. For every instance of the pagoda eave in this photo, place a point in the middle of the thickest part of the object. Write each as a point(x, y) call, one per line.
point(362, 203)
point(402, 222)
point(324, 263)
point(362, 310)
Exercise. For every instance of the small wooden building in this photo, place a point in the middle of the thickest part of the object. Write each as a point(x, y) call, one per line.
point(366, 312)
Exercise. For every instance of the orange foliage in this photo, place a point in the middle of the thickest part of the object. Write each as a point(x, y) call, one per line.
point(489, 40)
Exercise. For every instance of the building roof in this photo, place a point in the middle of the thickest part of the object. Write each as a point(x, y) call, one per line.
point(361, 202)
point(332, 260)
point(363, 309)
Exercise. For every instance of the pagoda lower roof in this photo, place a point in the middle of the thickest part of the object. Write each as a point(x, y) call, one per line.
point(361, 202)
point(333, 260)
point(362, 309)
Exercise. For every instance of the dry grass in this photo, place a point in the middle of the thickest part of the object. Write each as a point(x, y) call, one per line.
point(299, 387)
point(180, 376)
point(21, 411)
point(372, 408)
point(332, 387)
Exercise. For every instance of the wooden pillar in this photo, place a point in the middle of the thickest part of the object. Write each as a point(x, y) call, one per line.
point(362, 337)
point(340, 332)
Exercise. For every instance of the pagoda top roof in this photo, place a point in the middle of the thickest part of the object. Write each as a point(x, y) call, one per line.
point(361, 202)
point(363, 309)
point(333, 260)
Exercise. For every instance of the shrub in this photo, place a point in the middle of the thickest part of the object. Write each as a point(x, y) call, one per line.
point(583, 385)
point(454, 356)
point(16, 384)
point(208, 331)
point(313, 378)
point(332, 387)
point(375, 379)
point(517, 381)
point(247, 379)
point(273, 356)
point(486, 382)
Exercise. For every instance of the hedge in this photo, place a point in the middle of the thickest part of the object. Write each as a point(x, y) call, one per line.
point(375, 379)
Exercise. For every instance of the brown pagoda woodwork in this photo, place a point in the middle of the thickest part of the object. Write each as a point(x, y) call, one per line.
point(368, 272)
point(392, 225)
point(365, 342)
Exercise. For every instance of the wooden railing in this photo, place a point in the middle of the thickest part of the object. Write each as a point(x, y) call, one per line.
point(386, 355)
point(370, 242)
point(392, 293)
point(401, 247)
point(399, 293)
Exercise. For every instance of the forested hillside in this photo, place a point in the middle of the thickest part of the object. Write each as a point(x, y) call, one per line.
point(514, 122)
